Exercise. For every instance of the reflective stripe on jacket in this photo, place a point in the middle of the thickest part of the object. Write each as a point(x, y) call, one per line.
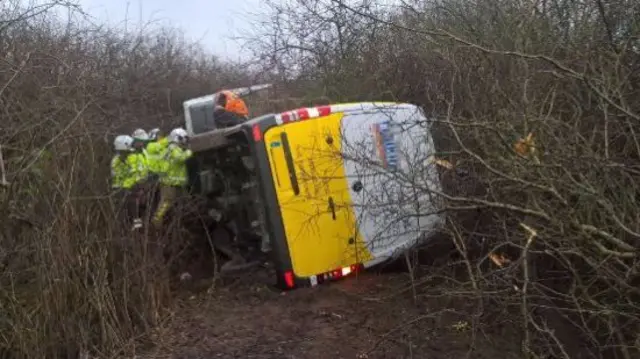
point(176, 157)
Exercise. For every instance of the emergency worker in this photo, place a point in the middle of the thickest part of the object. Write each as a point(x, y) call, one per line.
point(140, 140)
point(230, 109)
point(174, 175)
point(155, 151)
point(154, 135)
point(128, 171)
point(123, 145)
point(145, 187)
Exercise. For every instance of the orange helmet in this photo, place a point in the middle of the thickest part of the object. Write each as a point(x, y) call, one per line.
point(232, 103)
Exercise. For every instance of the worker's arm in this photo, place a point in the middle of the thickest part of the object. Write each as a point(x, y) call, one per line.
point(152, 146)
point(117, 174)
point(178, 154)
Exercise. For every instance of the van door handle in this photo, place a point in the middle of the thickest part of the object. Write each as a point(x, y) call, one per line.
point(332, 208)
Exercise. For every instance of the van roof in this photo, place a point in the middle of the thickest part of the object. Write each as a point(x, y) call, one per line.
point(240, 91)
point(323, 110)
point(219, 138)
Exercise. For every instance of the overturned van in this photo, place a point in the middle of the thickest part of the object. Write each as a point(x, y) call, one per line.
point(331, 189)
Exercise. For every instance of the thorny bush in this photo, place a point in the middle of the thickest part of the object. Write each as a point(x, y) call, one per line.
point(71, 281)
point(538, 102)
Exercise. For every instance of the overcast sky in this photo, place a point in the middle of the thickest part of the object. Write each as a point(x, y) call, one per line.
point(210, 22)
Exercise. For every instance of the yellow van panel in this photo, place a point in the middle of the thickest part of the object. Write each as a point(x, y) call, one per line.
point(317, 242)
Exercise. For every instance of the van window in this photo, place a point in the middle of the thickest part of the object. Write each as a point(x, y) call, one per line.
point(201, 117)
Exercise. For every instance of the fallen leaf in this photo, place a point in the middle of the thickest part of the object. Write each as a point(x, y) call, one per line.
point(525, 146)
point(440, 162)
point(499, 259)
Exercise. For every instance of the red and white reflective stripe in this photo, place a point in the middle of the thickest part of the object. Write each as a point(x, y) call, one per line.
point(326, 110)
point(304, 113)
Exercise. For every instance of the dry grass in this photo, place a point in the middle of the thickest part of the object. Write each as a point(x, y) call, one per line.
point(71, 280)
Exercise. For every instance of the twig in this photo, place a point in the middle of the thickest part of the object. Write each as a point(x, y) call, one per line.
point(386, 335)
point(16, 73)
point(409, 263)
point(3, 173)
point(56, 137)
point(526, 342)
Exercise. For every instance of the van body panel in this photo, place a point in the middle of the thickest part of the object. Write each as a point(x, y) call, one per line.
point(381, 150)
point(198, 115)
point(372, 144)
point(313, 195)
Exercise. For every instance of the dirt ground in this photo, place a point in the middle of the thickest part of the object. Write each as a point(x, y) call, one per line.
point(371, 316)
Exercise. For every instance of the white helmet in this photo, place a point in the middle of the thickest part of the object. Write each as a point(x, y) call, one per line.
point(140, 135)
point(153, 134)
point(178, 135)
point(123, 143)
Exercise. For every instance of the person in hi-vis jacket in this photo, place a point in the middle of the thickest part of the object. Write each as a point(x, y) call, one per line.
point(174, 171)
point(128, 172)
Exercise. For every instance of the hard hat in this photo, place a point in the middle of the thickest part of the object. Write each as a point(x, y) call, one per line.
point(153, 134)
point(178, 135)
point(140, 135)
point(123, 143)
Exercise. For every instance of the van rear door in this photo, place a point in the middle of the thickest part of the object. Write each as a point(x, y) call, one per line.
point(386, 150)
point(313, 195)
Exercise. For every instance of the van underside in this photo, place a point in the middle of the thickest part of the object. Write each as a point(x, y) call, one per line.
point(221, 174)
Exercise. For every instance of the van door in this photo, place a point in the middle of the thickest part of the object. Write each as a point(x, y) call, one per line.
point(386, 150)
point(313, 195)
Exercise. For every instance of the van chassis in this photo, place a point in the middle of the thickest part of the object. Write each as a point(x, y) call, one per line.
point(223, 176)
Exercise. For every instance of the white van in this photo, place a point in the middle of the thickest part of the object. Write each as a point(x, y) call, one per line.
point(340, 187)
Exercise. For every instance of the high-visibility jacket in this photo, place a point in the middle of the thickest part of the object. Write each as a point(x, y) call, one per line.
point(139, 170)
point(119, 171)
point(129, 171)
point(176, 157)
point(155, 152)
point(235, 104)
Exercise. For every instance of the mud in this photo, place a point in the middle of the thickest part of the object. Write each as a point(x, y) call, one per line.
point(371, 316)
